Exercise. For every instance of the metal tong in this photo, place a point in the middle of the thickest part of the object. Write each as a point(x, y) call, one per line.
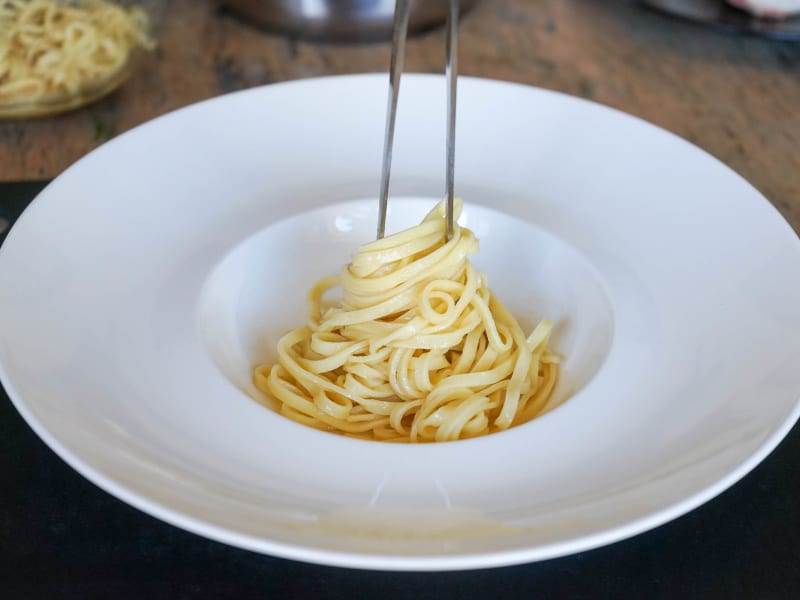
point(399, 33)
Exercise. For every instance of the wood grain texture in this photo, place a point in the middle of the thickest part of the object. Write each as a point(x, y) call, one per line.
point(737, 97)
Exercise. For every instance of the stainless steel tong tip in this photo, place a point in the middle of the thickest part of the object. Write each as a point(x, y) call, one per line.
point(451, 72)
point(399, 34)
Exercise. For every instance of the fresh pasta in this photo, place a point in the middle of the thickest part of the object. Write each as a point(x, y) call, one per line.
point(50, 49)
point(417, 350)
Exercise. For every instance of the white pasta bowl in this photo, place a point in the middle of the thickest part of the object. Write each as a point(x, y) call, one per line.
point(139, 289)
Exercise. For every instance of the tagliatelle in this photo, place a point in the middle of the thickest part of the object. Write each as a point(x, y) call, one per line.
point(418, 350)
point(50, 49)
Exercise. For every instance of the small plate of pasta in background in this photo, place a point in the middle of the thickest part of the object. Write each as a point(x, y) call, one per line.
point(221, 342)
point(58, 55)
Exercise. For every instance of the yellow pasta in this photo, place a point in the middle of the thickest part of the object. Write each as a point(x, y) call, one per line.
point(50, 49)
point(417, 350)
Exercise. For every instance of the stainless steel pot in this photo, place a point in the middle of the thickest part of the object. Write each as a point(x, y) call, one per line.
point(342, 20)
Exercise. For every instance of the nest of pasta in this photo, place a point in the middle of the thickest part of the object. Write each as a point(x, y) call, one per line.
point(418, 349)
point(51, 49)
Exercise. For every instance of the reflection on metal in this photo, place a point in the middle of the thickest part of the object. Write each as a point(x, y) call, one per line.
point(341, 20)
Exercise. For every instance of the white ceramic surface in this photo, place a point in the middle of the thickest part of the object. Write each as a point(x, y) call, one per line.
point(136, 290)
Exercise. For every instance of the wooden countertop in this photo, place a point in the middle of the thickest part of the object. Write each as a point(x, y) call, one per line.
point(737, 97)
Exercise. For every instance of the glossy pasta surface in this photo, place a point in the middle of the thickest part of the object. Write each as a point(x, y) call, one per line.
point(417, 350)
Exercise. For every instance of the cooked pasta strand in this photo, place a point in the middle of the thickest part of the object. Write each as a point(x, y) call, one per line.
point(50, 49)
point(418, 350)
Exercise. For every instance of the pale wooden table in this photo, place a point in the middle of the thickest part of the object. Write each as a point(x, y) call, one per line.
point(737, 97)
